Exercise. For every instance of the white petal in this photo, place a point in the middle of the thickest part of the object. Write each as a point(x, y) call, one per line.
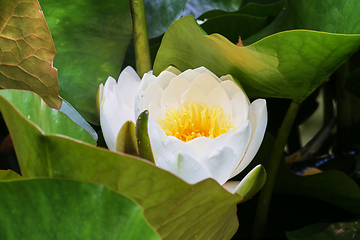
point(189, 75)
point(144, 84)
point(219, 98)
point(112, 117)
point(194, 95)
point(206, 82)
point(156, 112)
point(237, 141)
point(258, 118)
point(229, 86)
point(199, 143)
point(145, 81)
point(205, 70)
point(128, 81)
point(109, 86)
point(230, 186)
point(183, 166)
point(170, 98)
point(164, 78)
point(220, 163)
point(240, 106)
point(116, 106)
point(238, 120)
point(151, 95)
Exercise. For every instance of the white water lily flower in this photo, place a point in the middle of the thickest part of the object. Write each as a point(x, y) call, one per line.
point(200, 126)
point(116, 102)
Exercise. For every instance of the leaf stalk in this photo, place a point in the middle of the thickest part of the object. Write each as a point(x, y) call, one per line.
point(140, 36)
point(272, 169)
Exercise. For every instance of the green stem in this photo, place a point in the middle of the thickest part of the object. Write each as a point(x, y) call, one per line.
point(272, 169)
point(327, 102)
point(343, 104)
point(141, 42)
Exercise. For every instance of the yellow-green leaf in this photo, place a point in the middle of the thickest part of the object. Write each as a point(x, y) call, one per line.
point(27, 51)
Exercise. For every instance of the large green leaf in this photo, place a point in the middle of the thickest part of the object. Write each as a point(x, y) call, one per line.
point(253, 9)
point(57, 209)
point(36, 117)
point(8, 175)
point(176, 210)
point(91, 38)
point(27, 50)
point(320, 231)
point(242, 23)
point(285, 65)
point(50, 121)
point(234, 26)
point(197, 7)
point(160, 14)
point(335, 16)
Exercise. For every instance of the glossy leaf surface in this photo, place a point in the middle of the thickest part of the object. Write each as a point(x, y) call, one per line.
point(174, 208)
point(160, 14)
point(252, 9)
point(242, 23)
point(91, 38)
point(285, 65)
point(30, 119)
point(197, 7)
point(58, 209)
point(27, 50)
point(234, 26)
point(334, 16)
point(71, 112)
point(6, 175)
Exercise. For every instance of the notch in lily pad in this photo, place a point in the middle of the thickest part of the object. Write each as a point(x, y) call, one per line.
point(142, 135)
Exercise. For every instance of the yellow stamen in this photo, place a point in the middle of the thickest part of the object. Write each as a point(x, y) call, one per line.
point(195, 121)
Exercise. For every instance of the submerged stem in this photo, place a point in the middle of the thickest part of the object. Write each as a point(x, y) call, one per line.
point(140, 36)
point(272, 169)
point(343, 104)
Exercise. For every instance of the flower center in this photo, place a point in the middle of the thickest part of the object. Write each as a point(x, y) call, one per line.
point(196, 121)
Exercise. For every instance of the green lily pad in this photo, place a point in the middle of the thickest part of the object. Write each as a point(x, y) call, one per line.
point(36, 117)
point(252, 9)
point(27, 51)
point(285, 65)
point(243, 23)
point(234, 26)
point(341, 230)
point(91, 38)
point(334, 16)
point(6, 175)
point(197, 7)
point(50, 121)
point(161, 14)
point(175, 209)
point(59, 209)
